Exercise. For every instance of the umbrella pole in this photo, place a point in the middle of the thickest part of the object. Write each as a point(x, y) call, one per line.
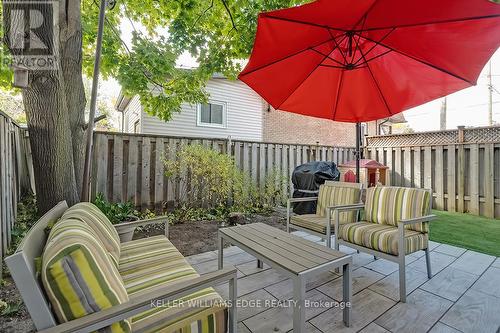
point(358, 151)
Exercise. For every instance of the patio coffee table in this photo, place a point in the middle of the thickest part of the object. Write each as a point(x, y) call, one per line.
point(297, 258)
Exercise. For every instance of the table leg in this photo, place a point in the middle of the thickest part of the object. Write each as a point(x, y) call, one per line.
point(347, 292)
point(299, 310)
point(220, 242)
point(233, 296)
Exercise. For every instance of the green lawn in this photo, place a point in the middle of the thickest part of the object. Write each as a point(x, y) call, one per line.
point(468, 231)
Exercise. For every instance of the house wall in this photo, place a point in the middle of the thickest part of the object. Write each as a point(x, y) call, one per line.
point(287, 127)
point(131, 115)
point(243, 119)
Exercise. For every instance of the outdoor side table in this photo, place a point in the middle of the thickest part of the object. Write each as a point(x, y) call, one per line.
point(296, 257)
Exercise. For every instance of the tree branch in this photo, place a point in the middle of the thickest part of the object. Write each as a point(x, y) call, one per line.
point(230, 14)
point(201, 15)
point(96, 120)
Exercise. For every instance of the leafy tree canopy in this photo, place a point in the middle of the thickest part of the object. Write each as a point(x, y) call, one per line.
point(217, 33)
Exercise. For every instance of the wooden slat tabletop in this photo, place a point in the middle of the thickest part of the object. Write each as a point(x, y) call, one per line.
point(291, 252)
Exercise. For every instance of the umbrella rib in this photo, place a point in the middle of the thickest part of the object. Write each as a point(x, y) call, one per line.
point(465, 19)
point(365, 15)
point(375, 44)
point(421, 61)
point(376, 84)
point(337, 96)
point(326, 55)
point(303, 22)
point(336, 47)
point(285, 58)
point(301, 83)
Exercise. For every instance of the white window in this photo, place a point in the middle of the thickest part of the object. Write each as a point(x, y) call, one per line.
point(212, 114)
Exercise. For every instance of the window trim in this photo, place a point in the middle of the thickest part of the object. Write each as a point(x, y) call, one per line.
point(199, 123)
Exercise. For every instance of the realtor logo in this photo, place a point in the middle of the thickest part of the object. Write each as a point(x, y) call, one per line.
point(31, 34)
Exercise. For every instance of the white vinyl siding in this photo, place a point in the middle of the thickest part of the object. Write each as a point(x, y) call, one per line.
point(132, 115)
point(243, 115)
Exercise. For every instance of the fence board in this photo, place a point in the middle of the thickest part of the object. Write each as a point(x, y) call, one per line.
point(417, 165)
point(439, 182)
point(16, 176)
point(117, 169)
point(461, 179)
point(474, 179)
point(407, 169)
point(159, 175)
point(146, 158)
point(489, 183)
point(451, 184)
point(428, 167)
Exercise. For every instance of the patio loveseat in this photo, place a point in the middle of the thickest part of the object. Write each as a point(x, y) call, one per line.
point(395, 224)
point(80, 278)
point(331, 194)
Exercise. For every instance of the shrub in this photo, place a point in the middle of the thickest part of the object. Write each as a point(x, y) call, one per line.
point(27, 214)
point(211, 180)
point(120, 212)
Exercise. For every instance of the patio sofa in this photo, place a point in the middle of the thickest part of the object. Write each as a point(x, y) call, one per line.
point(79, 278)
point(395, 224)
point(331, 194)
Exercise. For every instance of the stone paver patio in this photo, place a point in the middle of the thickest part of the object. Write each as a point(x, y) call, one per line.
point(462, 296)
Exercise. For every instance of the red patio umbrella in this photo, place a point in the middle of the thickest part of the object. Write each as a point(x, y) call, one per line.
point(355, 61)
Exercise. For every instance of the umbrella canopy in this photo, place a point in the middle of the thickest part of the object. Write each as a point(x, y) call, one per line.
point(363, 60)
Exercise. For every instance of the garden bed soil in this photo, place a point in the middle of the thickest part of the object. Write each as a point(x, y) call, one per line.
point(195, 237)
point(189, 238)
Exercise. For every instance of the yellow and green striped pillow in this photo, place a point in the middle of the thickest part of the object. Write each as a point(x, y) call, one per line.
point(78, 275)
point(107, 234)
point(336, 196)
point(389, 205)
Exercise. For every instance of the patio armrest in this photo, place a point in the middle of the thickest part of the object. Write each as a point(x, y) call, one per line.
point(345, 208)
point(291, 200)
point(141, 223)
point(426, 218)
point(144, 301)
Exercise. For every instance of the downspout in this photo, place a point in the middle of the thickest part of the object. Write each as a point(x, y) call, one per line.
point(379, 126)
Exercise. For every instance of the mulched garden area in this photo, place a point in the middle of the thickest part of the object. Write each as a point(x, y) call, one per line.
point(189, 237)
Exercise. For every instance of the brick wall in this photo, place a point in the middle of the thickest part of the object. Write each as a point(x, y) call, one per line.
point(287, 127)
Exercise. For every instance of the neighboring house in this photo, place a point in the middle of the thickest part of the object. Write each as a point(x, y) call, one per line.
point(235, 110)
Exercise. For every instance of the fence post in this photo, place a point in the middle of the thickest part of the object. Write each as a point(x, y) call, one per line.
point(229, 144)
point(461, 134)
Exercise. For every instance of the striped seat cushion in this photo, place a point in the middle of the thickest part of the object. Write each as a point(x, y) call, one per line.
point(388, 205)
point(333, 195)
point(147, 252)
point(90, 214)
point(78, 274)
point(154, 261)
point(311, 222)
point(382, 237)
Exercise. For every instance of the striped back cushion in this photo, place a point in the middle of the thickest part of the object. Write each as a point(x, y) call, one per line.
point(91, 215)
point(388, 205)
point(332, 195)
point(78, 274)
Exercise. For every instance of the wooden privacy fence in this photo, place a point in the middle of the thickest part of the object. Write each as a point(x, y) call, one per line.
point(16, 175)
point(464, 177)
point(129, 167)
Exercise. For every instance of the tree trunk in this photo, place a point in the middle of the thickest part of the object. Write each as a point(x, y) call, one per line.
point(50, 139)
point(71, 62)
point(55, 104)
